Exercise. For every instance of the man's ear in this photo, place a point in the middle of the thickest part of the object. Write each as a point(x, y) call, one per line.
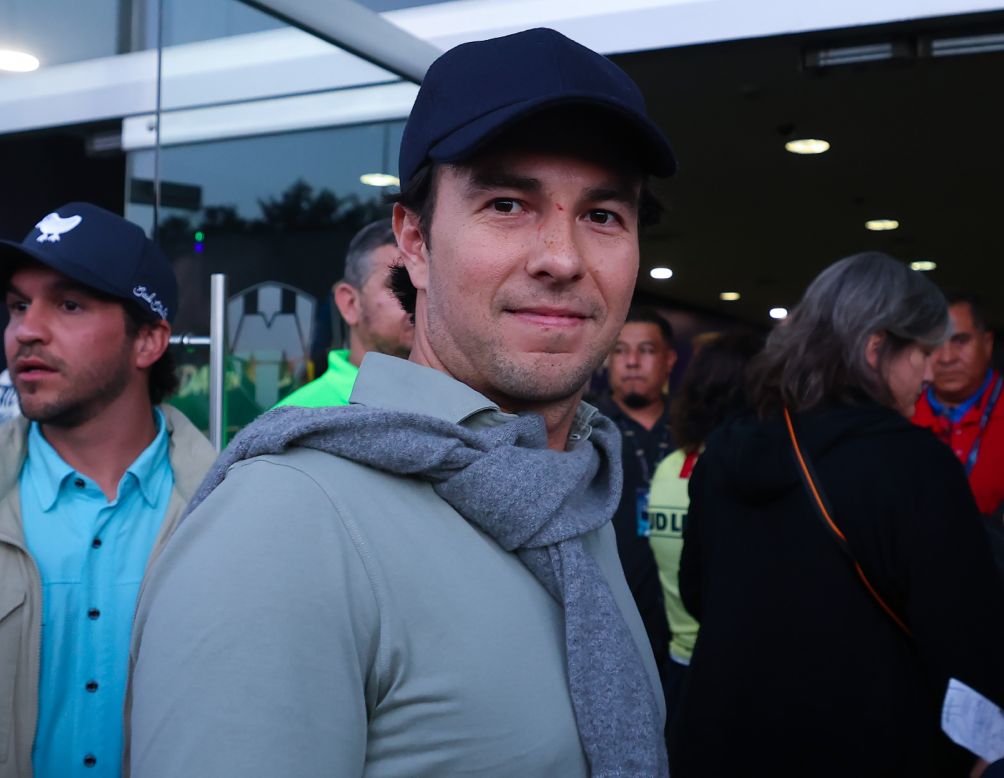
point(152, 341)
point(347, 300)
point(988, 341)
point(872, 349)
point(413, 245)
point(671, 357)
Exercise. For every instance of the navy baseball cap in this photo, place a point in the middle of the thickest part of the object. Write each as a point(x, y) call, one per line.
point(475, 91)
point(102, 251)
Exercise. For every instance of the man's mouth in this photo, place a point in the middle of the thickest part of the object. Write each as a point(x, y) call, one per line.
point(547, 316)
point(32, 368)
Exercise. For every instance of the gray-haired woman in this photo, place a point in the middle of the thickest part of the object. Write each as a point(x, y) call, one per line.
point(833, 552)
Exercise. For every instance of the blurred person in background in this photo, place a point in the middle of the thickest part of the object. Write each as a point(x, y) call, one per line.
point(713, 388)
point(962, 405)
point(92, 479)
point(638, 371)
point(833, 553)
point(376, 320)
point(9, 407)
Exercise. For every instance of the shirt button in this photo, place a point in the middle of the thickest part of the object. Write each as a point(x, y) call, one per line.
point(96, 543)
point(92, 686)
point(90, 760)
point(79, 483)
point(93, 614)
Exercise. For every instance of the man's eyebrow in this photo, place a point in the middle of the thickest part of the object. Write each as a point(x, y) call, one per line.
point(484, 180)
point(618, 194)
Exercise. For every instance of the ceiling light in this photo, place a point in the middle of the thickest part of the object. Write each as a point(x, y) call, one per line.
point(17, 61)
point(778, 313)
point(880, 225)
point(852, 55)
point(379, 179)
point(807, 146)
point(660, 273)
point(972, 44)
point(923, 265)
point(730, 296)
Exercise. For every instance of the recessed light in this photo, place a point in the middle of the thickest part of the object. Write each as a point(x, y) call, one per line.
point(881, 225)
point(660, 273)
point(379, 179)
point(807, 146)
point(923, 265)
point(729, 296)
point(778, 313)
point(17, 61)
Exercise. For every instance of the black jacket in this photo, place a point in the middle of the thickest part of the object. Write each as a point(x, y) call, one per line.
point(797, 670)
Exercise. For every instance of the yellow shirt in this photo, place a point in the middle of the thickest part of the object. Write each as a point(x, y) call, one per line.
point(668, 503)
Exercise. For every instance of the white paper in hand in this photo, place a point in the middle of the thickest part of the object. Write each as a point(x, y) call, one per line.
point(972, 721)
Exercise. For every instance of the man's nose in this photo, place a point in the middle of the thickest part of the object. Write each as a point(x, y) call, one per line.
point(943, 354)
point(30, 326)
point(557, 256)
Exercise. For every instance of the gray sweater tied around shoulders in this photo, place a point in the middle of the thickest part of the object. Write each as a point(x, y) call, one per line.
point(534, 502)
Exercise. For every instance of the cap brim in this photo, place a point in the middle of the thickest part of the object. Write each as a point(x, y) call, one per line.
point(11, 253)
point(658, 158)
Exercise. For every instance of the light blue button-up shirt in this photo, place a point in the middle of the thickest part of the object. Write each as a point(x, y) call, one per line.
point(91, 554)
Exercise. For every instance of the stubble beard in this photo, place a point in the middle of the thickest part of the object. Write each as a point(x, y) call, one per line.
point(539, 379)
point(637, 401)
point(90, 392)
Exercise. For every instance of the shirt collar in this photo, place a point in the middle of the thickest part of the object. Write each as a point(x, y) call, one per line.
point(148, 469)
point(338, 360)
point(151, 467)
point(400, 385)
point(955, 414)
point(49, 468)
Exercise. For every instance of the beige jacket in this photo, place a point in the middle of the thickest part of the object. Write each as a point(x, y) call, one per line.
point(21, 590)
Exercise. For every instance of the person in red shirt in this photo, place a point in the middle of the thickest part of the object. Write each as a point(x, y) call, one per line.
point(962, 406)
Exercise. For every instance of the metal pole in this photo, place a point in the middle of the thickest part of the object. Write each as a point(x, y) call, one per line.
point(352, 26)
point(217, 359)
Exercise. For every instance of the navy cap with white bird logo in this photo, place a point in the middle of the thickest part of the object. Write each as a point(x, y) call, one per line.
point(100, 250)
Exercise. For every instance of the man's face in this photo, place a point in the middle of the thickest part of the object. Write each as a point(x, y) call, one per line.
point(961, 363)
point(528, 272)
point(383, 325)
point(640, 364)
point(68, 351)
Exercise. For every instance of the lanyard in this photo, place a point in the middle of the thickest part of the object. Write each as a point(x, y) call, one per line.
point(974, 451)
point(630, 435)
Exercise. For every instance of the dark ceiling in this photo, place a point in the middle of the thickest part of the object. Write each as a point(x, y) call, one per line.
point(918, 140)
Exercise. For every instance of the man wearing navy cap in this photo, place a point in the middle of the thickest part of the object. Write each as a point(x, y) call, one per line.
point(425, 583)
point(91, 480)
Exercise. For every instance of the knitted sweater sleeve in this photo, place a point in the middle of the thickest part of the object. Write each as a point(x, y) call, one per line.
point(243, 662)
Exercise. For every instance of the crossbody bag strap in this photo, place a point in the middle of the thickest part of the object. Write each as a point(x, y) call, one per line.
point(821, 504)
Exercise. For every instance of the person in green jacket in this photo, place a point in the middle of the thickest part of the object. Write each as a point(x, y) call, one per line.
point(376, 320)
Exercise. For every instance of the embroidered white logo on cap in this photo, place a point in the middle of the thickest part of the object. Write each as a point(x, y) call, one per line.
point(151, 299)
point(54, 225)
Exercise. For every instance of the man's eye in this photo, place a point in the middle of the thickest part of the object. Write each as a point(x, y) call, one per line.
point(17, 305)
point(71, 305)
point(507, 206)
point(601, 216)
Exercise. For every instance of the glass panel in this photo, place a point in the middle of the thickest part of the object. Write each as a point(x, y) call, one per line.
point(275, 213)
point(187, 21)
point(57, 32)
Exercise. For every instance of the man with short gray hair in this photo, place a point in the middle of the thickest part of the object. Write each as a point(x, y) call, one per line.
point(375, 319)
